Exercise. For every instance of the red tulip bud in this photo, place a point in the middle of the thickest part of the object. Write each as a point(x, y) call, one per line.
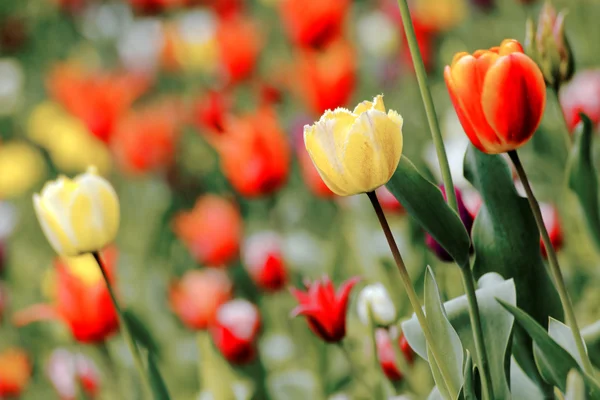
point(235, 330)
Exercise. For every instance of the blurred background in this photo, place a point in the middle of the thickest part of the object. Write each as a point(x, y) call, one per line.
point(194, 111)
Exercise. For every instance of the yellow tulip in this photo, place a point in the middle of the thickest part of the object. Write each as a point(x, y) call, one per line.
point(21, 167)
point(356, 152)
point(78, 216)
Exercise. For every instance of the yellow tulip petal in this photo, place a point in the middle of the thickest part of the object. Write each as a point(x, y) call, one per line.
point(52, 229)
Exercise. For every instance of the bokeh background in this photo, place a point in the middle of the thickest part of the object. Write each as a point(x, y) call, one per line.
point(200, 105)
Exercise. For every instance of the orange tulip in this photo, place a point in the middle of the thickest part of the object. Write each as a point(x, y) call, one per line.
point(211, 231)
point(81, 299)
point(239, 45)
point(499, 96)
point(15, 371)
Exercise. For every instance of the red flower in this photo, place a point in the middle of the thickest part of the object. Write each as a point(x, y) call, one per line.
point(239, 45)
point(313, 23)
point(209, 112)
point(235, 330)
point(324, 308)
point(68, 371)
point(81, 299)
point(263, 259)
point(326, 79)
point(145, 140)
point(196, 297)
point(15, 372)
point(499, 96)
point(387, 355)
point(582, 94)
point(155, 6)
point(226, 8)
point(211, 230)
point(552, 224)
point(254, 153)
point(98, 99)
point(388, 201)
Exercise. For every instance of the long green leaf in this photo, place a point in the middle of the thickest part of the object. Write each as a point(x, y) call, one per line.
point(139, 331)
point(425, 203)
point(468, 390)
point(159, 388)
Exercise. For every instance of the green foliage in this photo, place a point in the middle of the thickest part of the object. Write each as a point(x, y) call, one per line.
point(159, 388)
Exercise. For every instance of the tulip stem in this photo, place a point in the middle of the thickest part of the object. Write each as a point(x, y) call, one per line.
point(412, 295)
point(434, 125)
point(554, 266)
point(135, 352)
point(353, 371)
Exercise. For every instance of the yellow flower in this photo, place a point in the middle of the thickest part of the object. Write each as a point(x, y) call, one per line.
point(356, 152)
point(21, 167)
point(80, 215)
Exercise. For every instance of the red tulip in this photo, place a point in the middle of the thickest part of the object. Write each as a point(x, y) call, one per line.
point(235, 330)
point(553, 226)
point(98, 99)
point(313, 23)
point(387, 355)
point(209, 112)
point(254, 153)
point(145, 140)
point(211, 230)
point(324, 308)
point(155, 6)
point(582, 94)
point(196, 297)
point(263, 259)
point(226, 8)
point(326, 79)
point(388, 201)
point(82, 300)
point(239, 45)
point(499, 96)
point(15, 372)
point(68, 372)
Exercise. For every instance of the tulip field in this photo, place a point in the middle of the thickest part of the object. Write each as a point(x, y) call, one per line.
point(299, 199)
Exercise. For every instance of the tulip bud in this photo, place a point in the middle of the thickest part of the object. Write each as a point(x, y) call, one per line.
point(15, 372)
point(78, 216)
point(553, 226)
point(356, 152)
point(263, 259)
point(235, 329)
point(387, 355)
point(68, 372)
point(549, 47)
point(376, 298)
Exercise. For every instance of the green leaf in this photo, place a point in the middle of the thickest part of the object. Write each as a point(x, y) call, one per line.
point(495, 321)
point(563, 335)
point(554, 362)
point(582, 175)
point(575, 386)
point(591, 337)
point(447, 341)
point(425, 203)
point(468, 390)
point(139, 331)
point(159, 389)
point(506, 241)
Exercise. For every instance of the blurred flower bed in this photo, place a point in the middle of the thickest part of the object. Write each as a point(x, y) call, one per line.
point(194, 111)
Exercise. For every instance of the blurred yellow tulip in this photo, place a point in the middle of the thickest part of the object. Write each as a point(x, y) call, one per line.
point(440, 15)
point(356, 152)
point(80, 215)
point(21, 166)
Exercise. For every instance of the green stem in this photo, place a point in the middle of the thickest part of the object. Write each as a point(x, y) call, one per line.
point(434, 126)
point(486, 379)
point(353, 371)
point(379, 387)
point(412, 296)
point(135, 352)
point(554, 266)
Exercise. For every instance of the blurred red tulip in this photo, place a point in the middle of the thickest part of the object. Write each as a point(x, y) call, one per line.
point(97, 98)
point(239, 45)
point(209, 112)
point(553, 226)
point(15, 372)
point(196, 297)
point(225, 8)
point(235, 330)
point(326, 79)
point(155, 6)
point(81, 299)
point(387, 355)
point(211, 230)
point(313, 23)
point(145, 140)
point(388, 201)
point(263, 259)
point(255, 154)
point(582, 94)
point(324, 308)
point(68, 372)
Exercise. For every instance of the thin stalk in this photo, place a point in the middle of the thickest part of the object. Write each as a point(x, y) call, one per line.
point(412, 296)
point(353, 371)
point(486, 379)
point(554, 266)
point(135, 352)
point(379, 387)
point(434, 126)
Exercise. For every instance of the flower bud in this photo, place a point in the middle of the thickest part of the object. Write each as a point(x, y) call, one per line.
point(376, 298)
point(356, 152)
point(235, 330)
point(387, 355)
point(548, 46)
point(68, 372)
point(553, 226)
point(15, 372)
point(263, 259)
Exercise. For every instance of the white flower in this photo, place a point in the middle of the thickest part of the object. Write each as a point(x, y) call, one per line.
point(376, 298)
